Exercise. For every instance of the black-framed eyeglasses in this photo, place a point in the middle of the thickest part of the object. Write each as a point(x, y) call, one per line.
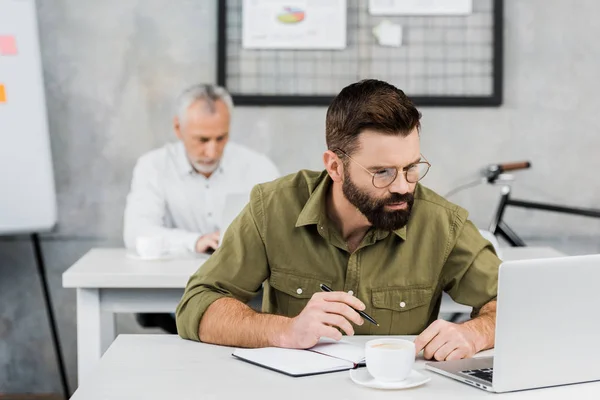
point(384, 177)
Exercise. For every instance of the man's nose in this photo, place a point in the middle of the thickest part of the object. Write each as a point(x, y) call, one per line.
point(400, 184)
point(210, 151)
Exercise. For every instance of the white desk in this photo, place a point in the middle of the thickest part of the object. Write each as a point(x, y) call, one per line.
point(166, 367)
point(109, 282)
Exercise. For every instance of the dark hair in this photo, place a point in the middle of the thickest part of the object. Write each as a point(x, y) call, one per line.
point(368, 104)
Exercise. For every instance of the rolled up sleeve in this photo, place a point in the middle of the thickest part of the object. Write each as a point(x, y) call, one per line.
point(470, 274)
point(237, 269)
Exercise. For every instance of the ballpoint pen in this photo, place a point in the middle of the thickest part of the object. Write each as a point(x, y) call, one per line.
point(363, 314)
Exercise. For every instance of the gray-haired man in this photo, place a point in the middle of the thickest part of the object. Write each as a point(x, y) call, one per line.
point(178, 191)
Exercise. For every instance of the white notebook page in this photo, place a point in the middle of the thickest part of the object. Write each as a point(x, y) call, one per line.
point(292, 361)
point(342, 349)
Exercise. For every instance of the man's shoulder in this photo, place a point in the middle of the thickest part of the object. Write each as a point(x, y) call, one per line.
point(240, 152)
point(435, 219)
point(299, 183)
point(429, 200)
point(158, 156)
point(286, 195)
point(254, 167)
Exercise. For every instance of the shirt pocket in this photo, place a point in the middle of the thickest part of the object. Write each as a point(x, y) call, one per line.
point(293, 291)
point(401, 310)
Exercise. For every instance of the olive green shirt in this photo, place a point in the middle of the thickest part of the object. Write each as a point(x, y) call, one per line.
point(284, 238)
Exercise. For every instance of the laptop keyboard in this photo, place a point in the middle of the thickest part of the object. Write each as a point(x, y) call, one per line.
point(484, 373)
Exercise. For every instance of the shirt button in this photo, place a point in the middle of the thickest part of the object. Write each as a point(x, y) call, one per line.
point(210, 214)
point(350, 292)
point(207, 186)
point(402, 304)
point(321, 227)
point(299, 290)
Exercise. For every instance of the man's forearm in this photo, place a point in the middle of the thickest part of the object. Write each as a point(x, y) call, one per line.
point(484, 326)
point(230, 322)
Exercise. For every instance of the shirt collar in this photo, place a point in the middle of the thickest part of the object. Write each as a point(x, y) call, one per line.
point(314, 211)
point(401, 233)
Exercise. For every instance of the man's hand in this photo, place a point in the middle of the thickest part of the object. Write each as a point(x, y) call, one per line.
point(206, 242)
point(443, 340)
point(322, 315)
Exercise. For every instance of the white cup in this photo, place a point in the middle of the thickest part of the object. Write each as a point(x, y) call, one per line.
point(150, 246)
point(389, 360)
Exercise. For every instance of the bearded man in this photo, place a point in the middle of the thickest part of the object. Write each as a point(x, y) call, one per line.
point(365, 227)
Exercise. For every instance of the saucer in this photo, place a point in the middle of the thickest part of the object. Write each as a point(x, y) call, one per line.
point(362, 377)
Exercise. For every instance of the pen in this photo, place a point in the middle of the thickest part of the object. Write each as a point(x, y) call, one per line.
point(363, 314)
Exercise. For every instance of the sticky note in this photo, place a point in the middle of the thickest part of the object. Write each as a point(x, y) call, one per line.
point(8, 46)
point(2, 94)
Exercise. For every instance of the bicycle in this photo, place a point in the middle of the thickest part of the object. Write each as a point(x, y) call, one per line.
point(497, 173)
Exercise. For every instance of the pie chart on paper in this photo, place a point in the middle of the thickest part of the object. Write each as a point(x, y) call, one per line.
point(291, 15)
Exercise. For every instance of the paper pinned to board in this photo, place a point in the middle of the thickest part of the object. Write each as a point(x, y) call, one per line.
point(420, 7)
point(388, 34)
point(2, 94)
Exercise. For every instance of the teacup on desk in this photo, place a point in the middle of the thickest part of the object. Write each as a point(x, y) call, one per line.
point(389, 360)
point(150, 247)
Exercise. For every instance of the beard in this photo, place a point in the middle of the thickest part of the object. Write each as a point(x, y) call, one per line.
point(374, 208)
point(205, 168)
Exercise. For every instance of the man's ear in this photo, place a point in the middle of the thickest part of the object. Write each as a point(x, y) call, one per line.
point(177, 127)
point(334, 166)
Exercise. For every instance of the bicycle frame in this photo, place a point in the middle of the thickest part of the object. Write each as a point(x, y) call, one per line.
point(499, 228)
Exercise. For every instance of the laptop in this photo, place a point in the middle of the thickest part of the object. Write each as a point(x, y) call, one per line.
point(547, 328)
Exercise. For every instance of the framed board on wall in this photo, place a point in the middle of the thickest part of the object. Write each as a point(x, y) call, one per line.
point(444, 60)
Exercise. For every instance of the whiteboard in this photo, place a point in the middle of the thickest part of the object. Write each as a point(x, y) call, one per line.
point(27, 194)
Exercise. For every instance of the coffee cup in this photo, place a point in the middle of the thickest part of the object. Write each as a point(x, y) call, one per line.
point(389, 360)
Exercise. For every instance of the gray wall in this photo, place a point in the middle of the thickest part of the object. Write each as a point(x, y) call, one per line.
point(113, 67)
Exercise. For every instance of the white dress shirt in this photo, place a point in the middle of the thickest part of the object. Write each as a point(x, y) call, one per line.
point(168, 198)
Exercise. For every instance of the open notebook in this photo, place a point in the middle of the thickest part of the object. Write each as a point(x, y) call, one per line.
point(326, 356)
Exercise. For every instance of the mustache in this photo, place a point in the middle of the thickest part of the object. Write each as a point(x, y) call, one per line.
point(395, 198)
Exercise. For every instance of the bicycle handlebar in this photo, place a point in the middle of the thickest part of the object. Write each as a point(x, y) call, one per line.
point(513, 166)
point(493, 171)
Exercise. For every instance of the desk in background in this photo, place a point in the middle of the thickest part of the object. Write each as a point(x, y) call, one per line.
point(167, 367)
point(109, 282)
